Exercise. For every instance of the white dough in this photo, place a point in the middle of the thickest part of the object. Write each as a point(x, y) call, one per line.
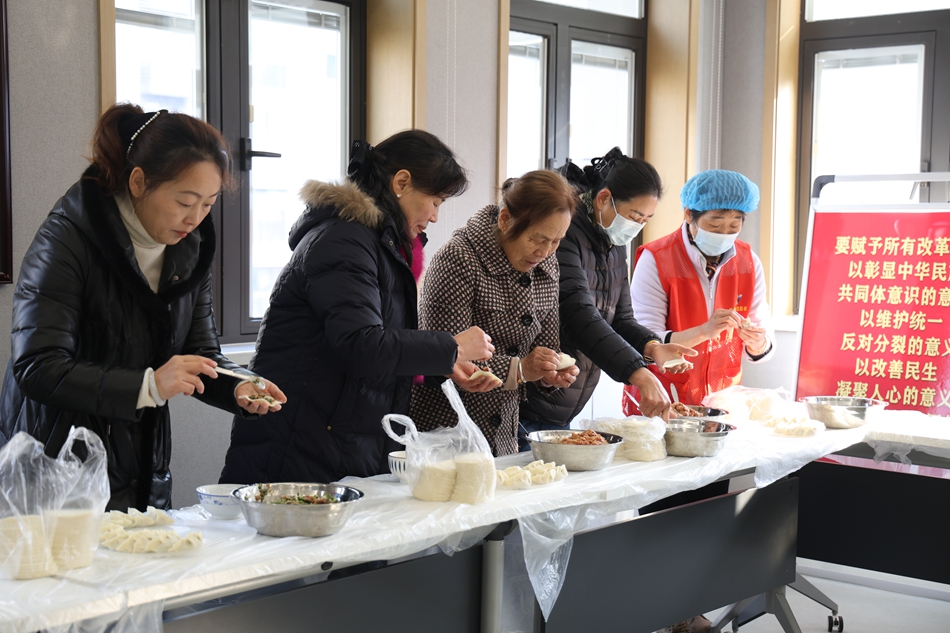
point(75, 537)
point(799, 428)
point(565, 361)
point(24, 549)
point(482, 372)
point(475, 482)
point(436, 481)
point(675, 362)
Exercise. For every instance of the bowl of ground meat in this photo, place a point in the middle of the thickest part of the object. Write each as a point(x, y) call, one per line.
point(297, 509)
point(576, 450)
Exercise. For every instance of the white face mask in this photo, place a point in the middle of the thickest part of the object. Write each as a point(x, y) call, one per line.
point(713, 244)
point(622, 231)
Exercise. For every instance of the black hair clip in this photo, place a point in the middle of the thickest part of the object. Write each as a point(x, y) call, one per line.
point(360, 157)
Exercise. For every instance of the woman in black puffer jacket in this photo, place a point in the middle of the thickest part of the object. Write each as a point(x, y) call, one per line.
point(341, 333)
point(618, 196)
point(112, 312)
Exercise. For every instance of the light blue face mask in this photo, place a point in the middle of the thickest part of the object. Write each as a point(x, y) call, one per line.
point(713, 244)
point(622, 231)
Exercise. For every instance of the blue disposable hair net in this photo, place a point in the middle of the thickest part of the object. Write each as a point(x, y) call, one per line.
point(720, 189)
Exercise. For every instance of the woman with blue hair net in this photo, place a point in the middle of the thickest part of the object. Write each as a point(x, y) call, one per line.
point(703, 288)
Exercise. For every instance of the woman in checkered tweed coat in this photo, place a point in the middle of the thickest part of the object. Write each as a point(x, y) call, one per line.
point(499, 272)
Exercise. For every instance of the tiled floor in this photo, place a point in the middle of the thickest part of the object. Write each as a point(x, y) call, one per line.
point(865, 610)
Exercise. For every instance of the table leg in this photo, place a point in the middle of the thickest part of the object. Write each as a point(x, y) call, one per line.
point(493, 577)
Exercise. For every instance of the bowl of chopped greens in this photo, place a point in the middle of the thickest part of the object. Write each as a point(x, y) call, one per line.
point(297, 509)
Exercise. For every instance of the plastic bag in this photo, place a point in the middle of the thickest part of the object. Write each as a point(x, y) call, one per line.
point(76, 535)
point(449, 463)
point(643, 437)
point(50, 508)
point(775, 407)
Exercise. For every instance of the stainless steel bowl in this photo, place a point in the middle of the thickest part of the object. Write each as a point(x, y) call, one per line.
point(838, 412)
point(544, 446)
point(695, 437)
point(275, 519)
point(706, 413)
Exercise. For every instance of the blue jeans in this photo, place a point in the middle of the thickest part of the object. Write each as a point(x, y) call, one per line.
point(530, 426)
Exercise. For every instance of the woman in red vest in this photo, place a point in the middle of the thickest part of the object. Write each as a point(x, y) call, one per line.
point(703, 288)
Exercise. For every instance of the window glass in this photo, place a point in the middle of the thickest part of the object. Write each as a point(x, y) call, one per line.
point(867, 120)
point(299, 104)
point(173, 80)
point(629, 8)
point(602, 82)
point(817, 10)
point(527, 61)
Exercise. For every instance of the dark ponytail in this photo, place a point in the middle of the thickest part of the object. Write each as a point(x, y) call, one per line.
point(165, 145)
point(430, 163)
point(625, 177)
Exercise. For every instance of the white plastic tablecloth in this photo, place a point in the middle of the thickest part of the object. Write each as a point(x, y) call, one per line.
point(388, 524)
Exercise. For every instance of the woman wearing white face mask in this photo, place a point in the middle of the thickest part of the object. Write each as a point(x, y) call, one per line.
point(721, 311)
point(619, 195)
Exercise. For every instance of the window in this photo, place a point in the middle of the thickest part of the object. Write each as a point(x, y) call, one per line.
point(628, 8)
point(527, 101)
point(588, 98)
point(873, 94)
point(282, 79)
point(816, 10)
point(174, 79)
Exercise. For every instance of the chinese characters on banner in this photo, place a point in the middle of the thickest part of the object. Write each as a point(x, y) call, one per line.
point(876, 322)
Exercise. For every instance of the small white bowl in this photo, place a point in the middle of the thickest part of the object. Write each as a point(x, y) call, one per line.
point(217, 500)
point(397, 465)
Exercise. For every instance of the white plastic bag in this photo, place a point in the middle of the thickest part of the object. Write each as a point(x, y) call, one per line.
point(76, 535)
point(449, 463)
point(643, 437)
point(50, 508)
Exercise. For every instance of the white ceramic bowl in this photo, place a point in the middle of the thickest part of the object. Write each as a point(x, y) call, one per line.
point(397, 465)
point(217, 500)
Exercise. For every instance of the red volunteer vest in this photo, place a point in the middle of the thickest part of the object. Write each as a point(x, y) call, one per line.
point(719, 364)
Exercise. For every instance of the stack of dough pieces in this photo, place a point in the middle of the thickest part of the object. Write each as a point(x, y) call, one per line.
point(436, 481)
point(75, 538)
point(476, 478)
point(643, 437)
point(469, 478)
point(537, 473)
point(113, 533)
point(24, 549)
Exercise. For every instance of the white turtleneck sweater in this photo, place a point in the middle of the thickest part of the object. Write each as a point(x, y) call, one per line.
point(150, 256)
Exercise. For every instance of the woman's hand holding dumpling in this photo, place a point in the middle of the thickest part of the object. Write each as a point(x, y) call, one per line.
point(246, 391)
point(540, 363)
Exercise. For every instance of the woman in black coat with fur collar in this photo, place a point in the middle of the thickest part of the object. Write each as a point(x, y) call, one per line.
point(112, 313)
point(341, 332)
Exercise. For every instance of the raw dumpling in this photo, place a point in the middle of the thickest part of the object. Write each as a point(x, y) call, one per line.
point(799, 428)
point(475, 482)
point(565, 361)
point(543, 477)
point(675, 362)
point(496, 381)
point(436, 481)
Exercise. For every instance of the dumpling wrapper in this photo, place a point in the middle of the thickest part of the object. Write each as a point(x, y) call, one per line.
point(436, 481)
point(675, 362)
point(484, 372)
point(565, 361)
point(475, 482)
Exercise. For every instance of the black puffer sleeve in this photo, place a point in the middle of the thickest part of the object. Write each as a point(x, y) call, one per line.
point(583, 323)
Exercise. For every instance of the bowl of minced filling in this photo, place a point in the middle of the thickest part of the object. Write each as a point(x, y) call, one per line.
point(576, 450)
point(297, 509)
point(680, 410)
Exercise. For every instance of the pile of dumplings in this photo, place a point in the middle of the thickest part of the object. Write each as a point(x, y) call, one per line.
point(537, 473)
point(469, 478)
point(113, 533)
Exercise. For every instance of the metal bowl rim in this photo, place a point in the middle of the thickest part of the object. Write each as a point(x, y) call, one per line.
point(309, 507)
point(612, 438)
point(719, 413)
point(818, 401)
point(675, 427)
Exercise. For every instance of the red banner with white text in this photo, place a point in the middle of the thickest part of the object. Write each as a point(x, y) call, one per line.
point(876, 320)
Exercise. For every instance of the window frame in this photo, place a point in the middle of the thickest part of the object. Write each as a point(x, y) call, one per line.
point(562, 24)
point(932, 30)
point(232, 214)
